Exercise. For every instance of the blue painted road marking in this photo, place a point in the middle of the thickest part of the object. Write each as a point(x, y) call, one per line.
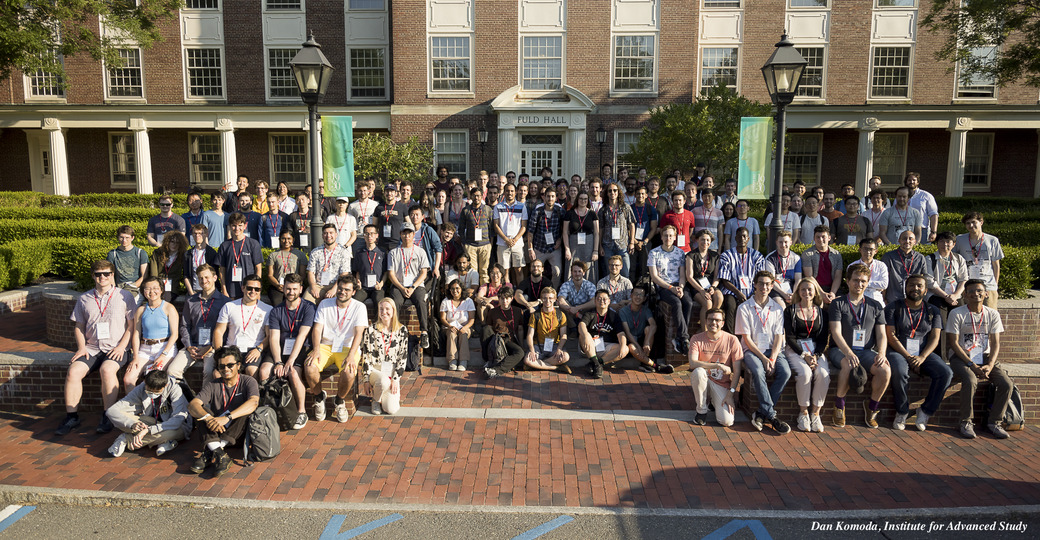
point(544, 528)
point(331, 531)
point(15, 515)
point(728, 529)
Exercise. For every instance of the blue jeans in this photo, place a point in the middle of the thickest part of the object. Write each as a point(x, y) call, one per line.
point(933, 367)
point(767, 395)
point(609, 250)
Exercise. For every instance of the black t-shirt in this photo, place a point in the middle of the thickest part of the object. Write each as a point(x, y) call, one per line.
point(606, 326)
point(288, 323)
point(581, 223)
point(393, 216)
point(920, 321)
point(217, 398)
point(533, 291)
point(369, 263)
point(864, 317)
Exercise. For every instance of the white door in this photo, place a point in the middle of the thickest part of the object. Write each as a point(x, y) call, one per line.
point(541, 150)
point(40, 161)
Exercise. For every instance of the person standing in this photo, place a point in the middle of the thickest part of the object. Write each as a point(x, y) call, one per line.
point(982, 253)
point(545, 236)
point(902, 263)
point(924, 203)
point(617, 229)
point(130, 263)
point(215, 219)
point(281, 263)
point(202, 253)
point(823, 263)
point(390, 218)
point(237, 257)
point(510, 218)
point(475, 230)
point(370, 268)
point(900, 218)
point(737, 268)
point(581, 236)
point(165, 222)
point(646, 219)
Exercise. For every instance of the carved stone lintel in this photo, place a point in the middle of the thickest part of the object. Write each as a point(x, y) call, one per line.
point(224, 124)
point(51, 124)
point(868, 123)
point(961, 123)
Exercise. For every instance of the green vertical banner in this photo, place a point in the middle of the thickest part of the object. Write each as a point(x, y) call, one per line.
point(337, 155)
point(756, 150)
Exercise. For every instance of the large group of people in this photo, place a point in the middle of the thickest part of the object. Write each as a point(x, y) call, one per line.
point(523, 264)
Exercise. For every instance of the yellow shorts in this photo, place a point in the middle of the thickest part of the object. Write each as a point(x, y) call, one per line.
point(326, 357)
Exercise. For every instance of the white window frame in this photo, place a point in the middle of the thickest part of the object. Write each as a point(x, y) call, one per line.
point(429, 66)
point(220, 6)
point(463, 175)
point(701, 67)
point(60, 97)
point(617, 155)
point(112, 160)
point(194, 180)
point(989, 164)
point(267, 75)
point(563, 62)
point(826, 5)
point(958, 85)
point(789, 178)
point(350, 8)
point(386, 90)
point(823, 78)
point(614, 90)
point(272, 173)
point(108, 79)
point(301, 9)
point(906, 150)
point(740, 4)
point(187, 78)
point(909, 72)
point(878, 5)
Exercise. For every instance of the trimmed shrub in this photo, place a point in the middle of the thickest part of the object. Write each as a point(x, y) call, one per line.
point(24, 229)
point(70, 258)
point(125, 215)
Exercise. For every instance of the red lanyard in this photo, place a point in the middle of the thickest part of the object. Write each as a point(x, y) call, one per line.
point(906, 265)
point(245, 321)
point(407, 260)
point(97, 299)
point(613, 288)
point(328, 256)
point(155, 408)
point(339, 223)
point(874, 220)
point(537, 293)
point(976, 249)
point(913, 327)
point(476, 219)
point(292, 317)
point(704, 263)
point(975, 327)
point(903, 216)
point(285, 260)
point(641, 216)
point(276, 220)
point(782, 261)
point(386, 346)
point(342, 317)
point(198, 257)
point(241, 248)
point(371, 262)
point(227, 398)
point(454, 309)
point(205, 308)
point(862, 311)
point(614, 215)
point(512, 317)
point(809, 323)
point(581, 220)
point(763, 320)
point(364, 210)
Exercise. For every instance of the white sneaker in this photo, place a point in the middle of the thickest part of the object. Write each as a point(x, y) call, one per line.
point(900, 421)
point(165, 447)
point(341, 413)
point(454, 366)
point(462, 366)
point(319, 406)
point(803, 422)
point(922, 420)
point(377, 407)
point(119, 446)
point(816, 423)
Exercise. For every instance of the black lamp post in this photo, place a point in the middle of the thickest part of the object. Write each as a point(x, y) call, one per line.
point(601, 139)
point(482, 135)
point(313, 73)
point(783, 73)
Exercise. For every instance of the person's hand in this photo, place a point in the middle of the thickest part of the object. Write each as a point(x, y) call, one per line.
point(312, 358)
point(810, 360)
point(282, 370)
point(880, 360)
point(137, 440)
point(567, 253)
point(350, 368)
point(331, 293)
point(252, 356)
point(770, 365)
point(726, 370)
point(437, 272)
point(315, 292)
point(595, 255)
point(395, 386)
point(985, 370)
point(646, 350)
point(116, 353)
point(193, 352)
point(914, 361)
point(453, 330)
point(138, 427)
point(850, 361)
point(80, 353)
point(741, 296)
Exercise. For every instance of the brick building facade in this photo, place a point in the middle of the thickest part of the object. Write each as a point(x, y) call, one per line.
point(215, 98)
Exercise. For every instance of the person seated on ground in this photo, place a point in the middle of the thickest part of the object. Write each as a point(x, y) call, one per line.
point(702, 268)
point(857, 327)
point(338, 327)
point(104, 319)
point(165, 222)
point(948, 272)
point(576, 294)
point(466, 273)
point(167, 264)
point(287, 260)
point(289, 330)
point(325, 264)
point(529, 293)
point(507, 321)
point(384, 347)
point(786, 266)
point(274, 223)
point(668, 273)
point(823, 264)
point(407, 269)
point(221, 410)
point(902, 263)
point(913, 329)
point(715, 357)
point(600, 336)
point(806, 329)
point(640, 328)
point(737, 268)
point(878, 270)
point(243, 323)
point(619, 287)
point(238, 257)
point(982, 254)
point(900, 218)
point(849, 229)
point(198, 320)
point(369, 265)
point(487, 295)
point(154, 341)
point(547, 336)
point(760, 326)
point(458, 316)
point(130, 262)
point(973, 340)
point(153, 413)
point(202, 253)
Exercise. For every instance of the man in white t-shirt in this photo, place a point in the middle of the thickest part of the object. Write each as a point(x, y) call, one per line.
point(760, 326)
point(339, 325)
point(982, 254)
point(510, 218)
point(924, 202)
point(243, 324)
point(407, 268)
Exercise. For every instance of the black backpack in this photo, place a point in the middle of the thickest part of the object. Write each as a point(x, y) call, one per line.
point(1015, 415)
point(496, 349)
point(415, 355)
point(263, 440)
point(276, 393)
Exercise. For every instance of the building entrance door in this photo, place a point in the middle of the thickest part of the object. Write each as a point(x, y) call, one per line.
point(541, 150)
point(40, 162)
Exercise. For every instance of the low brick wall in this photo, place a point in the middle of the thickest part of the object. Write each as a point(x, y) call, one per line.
point(60, 328)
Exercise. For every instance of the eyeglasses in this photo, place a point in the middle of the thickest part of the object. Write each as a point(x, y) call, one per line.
point(165, 205)
point(102, 274)
point(227, 366)
point(253, 289)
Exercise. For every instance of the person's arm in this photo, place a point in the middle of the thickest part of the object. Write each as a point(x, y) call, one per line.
point(275, 335)
point(836, 277)
point(839, 340)
point(893, 341)
point(294, 354)
point(272, 281)
point(994, 353)
point(996, 270)
point(355, 350)
point(135, 340)
point(932, 344)
point(223, 281)
point(882, 343)
point(498, 230)
point(218, 335)
point(245, 409)
point(142, 272)
point(316, 334)
point(596, 245)
point(171, 344)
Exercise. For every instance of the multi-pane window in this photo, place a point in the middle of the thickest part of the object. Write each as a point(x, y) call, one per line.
point(978, 160)
point(373, 5)
point(978, 86)
point(896, 3)
point(280, 79)
point(205, 73)
point(623, 144)
point(802, 157)
point(202, 4)
point(283, 5)
point(206, 163)
point(289, 158)
point(450, 64)
point(722, 3)
point(808, 3)
point(122, 159)
point(812, 75)
point(890, 76)
point(45, 83)
point(452, 148)
point(368, 73)
point(719, 66)
point(543, 63)
point(890, 157)
point(126, 81)
point(634, 63)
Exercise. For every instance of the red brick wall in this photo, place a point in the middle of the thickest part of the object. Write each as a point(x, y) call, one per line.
point(87, 151)
point(927, 154)
point(14, 174)
point(1014, 164)
point(244, 47)
point(60, 328)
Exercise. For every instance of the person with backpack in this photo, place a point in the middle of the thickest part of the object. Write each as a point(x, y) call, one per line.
point(501, 334)
point(131, 262)
point(222, 409)
point(384, 348)
point(289, 329)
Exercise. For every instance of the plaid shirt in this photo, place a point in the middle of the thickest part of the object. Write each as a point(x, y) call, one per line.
point(538, 228)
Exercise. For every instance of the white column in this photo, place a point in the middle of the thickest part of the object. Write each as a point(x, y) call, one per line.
point(228, 155)
point(142, 156)
point(955, 162)
point(59, 159)
point(865, 154)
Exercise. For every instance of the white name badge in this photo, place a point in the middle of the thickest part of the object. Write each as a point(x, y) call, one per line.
point(386, 368)
point(859, 338)
point(167, 285)
point(745, 282)
point(681, 240)
point(456, 325)
point(581, 239)
point(478, 235)
point(236, 273)
point(205, 335)
point(274, 242)
point(852, 240)
point(548, 345)
point(288, 347)
point(248, 234)
point(704, 283)
point(716, 374)
point(304, 240)
point(785, 287)
point(615, 232)
point(975, 353)
point(639, 232)
point(408, 281)
point(763, 341)
point(600, 347)
point(549, 238)
point(281, 281)
point(337, 344)
point(807, 345)
point(387, 231)
point(913, 346)
point(102, 331)
point(159, 237)
point(370, 281)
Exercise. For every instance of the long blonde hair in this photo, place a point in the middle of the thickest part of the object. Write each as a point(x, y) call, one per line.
point(395, 324)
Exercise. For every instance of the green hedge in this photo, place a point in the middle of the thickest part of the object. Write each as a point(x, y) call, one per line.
point(25, 229)
point(23, 261)
point(125, 215)
point(102, 200)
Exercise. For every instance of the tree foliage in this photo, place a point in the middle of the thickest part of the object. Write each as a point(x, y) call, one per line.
point(377, 155)
point(32, 31)
point(1011, 26)
point(680, 135)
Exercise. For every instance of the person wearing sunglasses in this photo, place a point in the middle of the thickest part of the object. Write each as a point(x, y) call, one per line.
point(222, 410)
point(165, 222)
point(104, 324)
point(243, 324)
